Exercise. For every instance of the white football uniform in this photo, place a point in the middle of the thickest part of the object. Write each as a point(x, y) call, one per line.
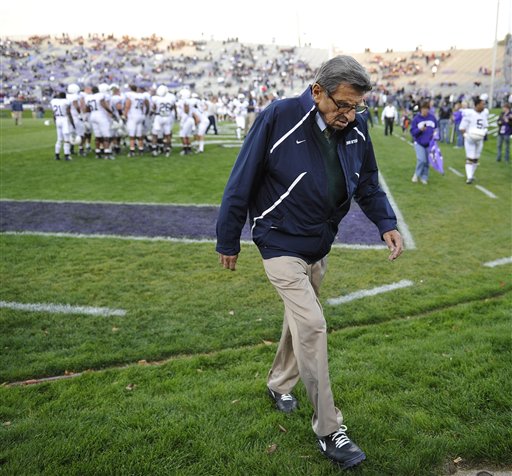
point(60, 108)
point(147, 123)
point(117, 106)
point(136, 113)
point(76, 113)
point(186, 119)
point(201, 120)
point(163, 107)
point(240, 112)
point(99, 117)
point(472, 122)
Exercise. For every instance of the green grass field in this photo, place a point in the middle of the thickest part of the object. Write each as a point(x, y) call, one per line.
point(177, 385)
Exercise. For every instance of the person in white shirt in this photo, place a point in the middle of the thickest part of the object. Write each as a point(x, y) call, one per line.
point(474, 126)
point(212, 114)
point(61, 108)
point(389, 116)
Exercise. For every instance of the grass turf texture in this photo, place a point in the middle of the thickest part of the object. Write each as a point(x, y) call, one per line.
point(421, 373)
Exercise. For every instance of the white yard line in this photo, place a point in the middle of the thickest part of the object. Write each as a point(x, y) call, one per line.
point(106, 202)
point(478, 187)
point(404, 229)
point(166, 239)
point(455, 171)
point(62, 309)
point(498, 262)
point(487, 192)
point(369, 292)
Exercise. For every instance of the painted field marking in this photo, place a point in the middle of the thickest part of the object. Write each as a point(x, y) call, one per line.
point(498, 262)
point(369, 292)
point(404, 229)
point(62, 309)
point(478, 187)
point(455, 171)
point(107, 202)
point(166, 239)
point(487, 192)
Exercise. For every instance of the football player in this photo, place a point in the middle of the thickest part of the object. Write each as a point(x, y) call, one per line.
point(77, 105)
point(164, 111)
point(117, 106)
point(186, 121)
point(135, 108)
point(474, 128)
point(100, 117)
point(201, 121)
point(61, 108)
point(240, 105)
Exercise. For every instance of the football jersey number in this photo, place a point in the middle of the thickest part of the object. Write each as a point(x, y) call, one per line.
point(57, 111)
point(93, 105)
point(165, 108)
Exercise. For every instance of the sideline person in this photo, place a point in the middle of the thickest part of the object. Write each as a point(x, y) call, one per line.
point(17, 111)
point(301, 164)
point(504, 132)
point(474, 128)
point(423, 127)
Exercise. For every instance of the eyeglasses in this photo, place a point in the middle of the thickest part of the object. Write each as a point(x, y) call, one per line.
point(345, 108)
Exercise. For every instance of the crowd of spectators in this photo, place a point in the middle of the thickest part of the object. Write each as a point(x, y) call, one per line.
point(36, 68)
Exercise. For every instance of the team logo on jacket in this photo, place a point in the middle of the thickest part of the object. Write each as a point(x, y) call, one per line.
point(353, 141)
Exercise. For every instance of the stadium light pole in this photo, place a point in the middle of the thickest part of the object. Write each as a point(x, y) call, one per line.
point(495, 53)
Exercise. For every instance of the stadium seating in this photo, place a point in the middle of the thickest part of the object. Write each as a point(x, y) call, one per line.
point(36, 67)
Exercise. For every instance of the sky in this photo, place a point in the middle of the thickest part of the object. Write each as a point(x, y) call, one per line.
point(401, 25)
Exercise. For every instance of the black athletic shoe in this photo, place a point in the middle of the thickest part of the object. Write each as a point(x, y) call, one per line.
point(340, 449)
point(285, 402)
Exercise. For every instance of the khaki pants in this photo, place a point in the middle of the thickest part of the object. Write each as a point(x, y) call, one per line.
point(302, 350)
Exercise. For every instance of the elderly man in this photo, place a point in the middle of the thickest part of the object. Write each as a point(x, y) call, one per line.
point(301, 164)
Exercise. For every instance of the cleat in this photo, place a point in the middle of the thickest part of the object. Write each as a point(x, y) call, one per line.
point(340, 449)
point(285, 402)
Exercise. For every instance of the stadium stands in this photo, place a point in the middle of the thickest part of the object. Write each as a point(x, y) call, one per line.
point(36, 67)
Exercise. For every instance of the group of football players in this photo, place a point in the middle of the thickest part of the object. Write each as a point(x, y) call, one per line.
point(105, 119)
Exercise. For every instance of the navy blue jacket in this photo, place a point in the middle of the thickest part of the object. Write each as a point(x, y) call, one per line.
point(279, 178)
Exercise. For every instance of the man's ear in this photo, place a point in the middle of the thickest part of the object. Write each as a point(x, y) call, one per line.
point(316, 89)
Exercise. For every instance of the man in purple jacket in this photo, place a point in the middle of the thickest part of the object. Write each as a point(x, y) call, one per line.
point(301, 164)
point(422, 130)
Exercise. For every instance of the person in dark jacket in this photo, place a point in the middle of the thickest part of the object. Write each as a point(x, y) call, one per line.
point(423, 127)
point(303, 161)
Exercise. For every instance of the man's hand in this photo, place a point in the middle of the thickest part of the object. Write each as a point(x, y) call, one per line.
point(394, 241)
point(228, 262)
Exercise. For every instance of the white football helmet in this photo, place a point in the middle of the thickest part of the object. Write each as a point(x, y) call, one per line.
point(184, 93)
point(73, 88)
point(75, 139)
point(241, 96)
point(162, 90)
point(103, 88)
